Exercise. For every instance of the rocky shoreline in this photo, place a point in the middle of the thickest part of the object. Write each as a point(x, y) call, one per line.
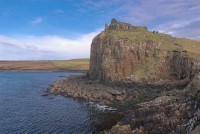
point(146, 109)
point(152, 78)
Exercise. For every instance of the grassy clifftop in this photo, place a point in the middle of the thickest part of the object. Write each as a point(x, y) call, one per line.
point(166, 41)
point(124, 51)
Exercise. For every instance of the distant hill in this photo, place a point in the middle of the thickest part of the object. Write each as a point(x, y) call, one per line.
point(43, 66)
point(74, 64)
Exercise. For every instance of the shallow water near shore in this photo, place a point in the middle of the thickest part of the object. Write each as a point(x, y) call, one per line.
point(23, 109)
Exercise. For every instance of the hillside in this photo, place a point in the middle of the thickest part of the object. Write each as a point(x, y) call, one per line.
point(74, 64)
point(126, 52)
point(152, 78)
point(38, 66)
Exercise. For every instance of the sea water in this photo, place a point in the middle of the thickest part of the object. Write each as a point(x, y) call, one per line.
point(23, 109)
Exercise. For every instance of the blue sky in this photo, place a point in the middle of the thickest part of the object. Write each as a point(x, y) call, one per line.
point(64, 29)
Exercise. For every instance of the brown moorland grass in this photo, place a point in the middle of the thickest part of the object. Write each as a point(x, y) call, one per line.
point(74, 64)
point(51, 65)
point(166, 41)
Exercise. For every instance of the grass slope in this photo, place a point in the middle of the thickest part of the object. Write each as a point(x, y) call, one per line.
point(149, 68)
point(75, 64)
point(166, 41)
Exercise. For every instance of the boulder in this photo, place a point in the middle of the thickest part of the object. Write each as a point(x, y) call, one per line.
point(117, 129)
point(196, 130)
point(114, 92)
point(119, 98)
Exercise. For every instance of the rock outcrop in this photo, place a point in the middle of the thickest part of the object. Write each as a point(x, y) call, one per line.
point(117, 129)
point(183, 66)
point(156, 80)
point(123, 51)
point(178, 113)
point(121, 26)
point(150, 110)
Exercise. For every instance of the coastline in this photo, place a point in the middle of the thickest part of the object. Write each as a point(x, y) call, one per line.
point(144, 111)
point(138, 110)
point(81, 88)
point(42, 70)
point(74, 65)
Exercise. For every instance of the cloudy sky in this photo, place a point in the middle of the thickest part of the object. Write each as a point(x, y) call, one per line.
point(64, 29)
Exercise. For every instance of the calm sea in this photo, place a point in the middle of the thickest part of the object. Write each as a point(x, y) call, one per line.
point(23, 109)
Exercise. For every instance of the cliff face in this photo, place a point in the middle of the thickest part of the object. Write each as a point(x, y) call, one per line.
point(126, 52)
point(182, 65)
point(178, 113)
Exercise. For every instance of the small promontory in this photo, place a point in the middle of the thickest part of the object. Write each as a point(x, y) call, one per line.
point(150, 77)
point(123, 52)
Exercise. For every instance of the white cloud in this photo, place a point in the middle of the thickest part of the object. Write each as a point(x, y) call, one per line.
point(171, 16)
point(37, 20)
point(179, 28)
point(54, 47)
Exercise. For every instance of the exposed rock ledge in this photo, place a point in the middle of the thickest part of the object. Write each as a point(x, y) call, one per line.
point(149, 76)
point(148, 110)
point(80, 87)
point(125, 52)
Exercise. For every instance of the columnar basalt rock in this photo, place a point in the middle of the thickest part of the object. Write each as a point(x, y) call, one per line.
point(113, 60)
point(183, 65)
point(123, 51)
point(156, 80)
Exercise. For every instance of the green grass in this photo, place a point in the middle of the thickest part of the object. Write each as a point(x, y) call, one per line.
point(166, 41)
point(74, 64)
point(153, 68)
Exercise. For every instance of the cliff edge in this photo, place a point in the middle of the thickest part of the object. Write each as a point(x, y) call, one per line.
point(155, 80)
point(123, 52)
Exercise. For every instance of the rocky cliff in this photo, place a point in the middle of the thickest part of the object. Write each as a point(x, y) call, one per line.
point(177, 113)
point(159, 80)
point(123, 52)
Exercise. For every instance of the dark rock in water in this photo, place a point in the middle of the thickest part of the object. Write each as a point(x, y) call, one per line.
point(62, 76)
point(45, 94)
